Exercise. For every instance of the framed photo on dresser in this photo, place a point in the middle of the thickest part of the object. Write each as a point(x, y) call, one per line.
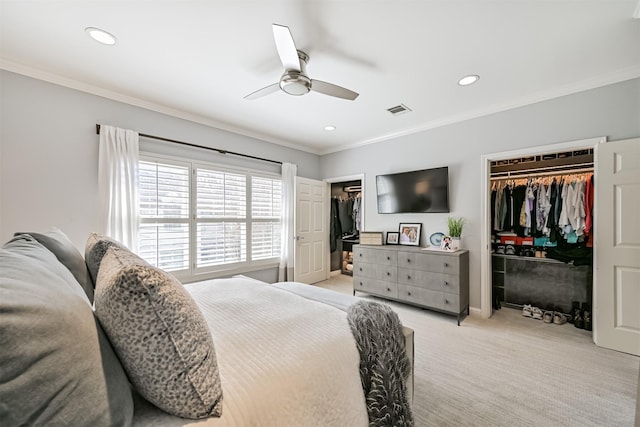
point(392, 237)
point(410, 233)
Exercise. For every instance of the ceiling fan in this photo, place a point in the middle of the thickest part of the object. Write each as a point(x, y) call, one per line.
point(294, 80)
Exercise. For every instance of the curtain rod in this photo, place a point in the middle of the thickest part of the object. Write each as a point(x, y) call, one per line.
point(188, 144)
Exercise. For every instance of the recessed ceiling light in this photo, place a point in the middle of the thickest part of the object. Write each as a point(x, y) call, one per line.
point(468, 80)
point(101, 35)
point(329, 128)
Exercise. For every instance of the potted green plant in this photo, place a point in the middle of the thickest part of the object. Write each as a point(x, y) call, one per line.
point(455, 230)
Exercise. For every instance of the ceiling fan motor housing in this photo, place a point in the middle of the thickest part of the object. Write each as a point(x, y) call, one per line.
point(296, 82)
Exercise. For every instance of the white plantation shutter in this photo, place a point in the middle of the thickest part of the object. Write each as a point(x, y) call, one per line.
point(221, 218)
point(265, 215)
point(227, 218)
point(164, 215)
point(221, 194)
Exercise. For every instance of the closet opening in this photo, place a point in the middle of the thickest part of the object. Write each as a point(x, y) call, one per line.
point(346, 214)
point(541, 222)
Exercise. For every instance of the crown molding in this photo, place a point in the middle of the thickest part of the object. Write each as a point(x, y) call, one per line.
point(569, 89)
point(599, 81)
point(46, 76)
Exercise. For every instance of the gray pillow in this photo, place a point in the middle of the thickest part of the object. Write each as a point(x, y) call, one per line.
point(57, 367)
point(159, 334)
point(97, 245)
point(62, 247)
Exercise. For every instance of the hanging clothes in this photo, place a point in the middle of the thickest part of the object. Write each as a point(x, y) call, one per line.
point(543, 209)
point(588, 207)
point(334, 226)
point(560, 209)
point(356, 212)
point(519, 194)
point(345, 213)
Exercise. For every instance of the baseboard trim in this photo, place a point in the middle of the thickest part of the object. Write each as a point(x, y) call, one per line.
point(335, 273)
point(475, 312)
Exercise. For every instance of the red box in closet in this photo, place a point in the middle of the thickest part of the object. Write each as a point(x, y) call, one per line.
point(508, 240)
point(524, 241)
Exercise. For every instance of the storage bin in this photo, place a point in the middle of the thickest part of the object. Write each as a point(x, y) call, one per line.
point(544, 241)
point(508, 240)
point(525, 241)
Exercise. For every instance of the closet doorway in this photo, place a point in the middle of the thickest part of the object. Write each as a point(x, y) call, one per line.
point(486, 271)
point(346, 217)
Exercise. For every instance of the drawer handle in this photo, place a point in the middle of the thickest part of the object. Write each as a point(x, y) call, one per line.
point(388, 289)
point(408, 277)
point(408, 260)
point(409, 293)
point(446, 283)
point(359, 254)
point(388, 273)
point(445, 264)
point(360, 283)
point(446, 301)
point(360, 268)
point(388, 258)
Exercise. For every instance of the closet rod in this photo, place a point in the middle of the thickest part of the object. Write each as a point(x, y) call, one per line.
point(219, 150)
point(545, 171)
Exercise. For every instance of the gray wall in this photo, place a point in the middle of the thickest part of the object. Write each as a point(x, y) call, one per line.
point(49, 154)
point(612, 111)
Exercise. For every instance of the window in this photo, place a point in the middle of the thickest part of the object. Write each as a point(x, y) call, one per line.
point(198, 218)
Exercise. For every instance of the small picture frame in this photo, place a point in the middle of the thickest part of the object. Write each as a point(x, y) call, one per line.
point(392, 237)
point(409, 233)
point(447, 244)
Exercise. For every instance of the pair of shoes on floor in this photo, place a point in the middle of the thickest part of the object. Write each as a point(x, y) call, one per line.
point(581, 315)
point(555, 317)
point(533, 312)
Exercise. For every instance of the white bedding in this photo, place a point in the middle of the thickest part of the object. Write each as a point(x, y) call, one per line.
point(284, 360)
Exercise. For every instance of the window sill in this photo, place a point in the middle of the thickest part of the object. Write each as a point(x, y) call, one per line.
point(227, 272)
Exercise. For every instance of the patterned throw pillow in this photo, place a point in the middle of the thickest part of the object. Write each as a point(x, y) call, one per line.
point(159, 334)
point(97, 245)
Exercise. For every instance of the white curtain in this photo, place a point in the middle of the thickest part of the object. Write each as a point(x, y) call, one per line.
point(118, 185)
point(287, 250)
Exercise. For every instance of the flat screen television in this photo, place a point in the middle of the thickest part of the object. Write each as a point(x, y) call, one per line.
point(416, 191)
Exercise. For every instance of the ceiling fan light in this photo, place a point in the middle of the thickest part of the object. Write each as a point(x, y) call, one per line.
point(295, 84)
point(468, 80)
point(101, 36)
point(329, 128)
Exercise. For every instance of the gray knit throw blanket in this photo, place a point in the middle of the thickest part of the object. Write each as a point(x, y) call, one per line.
point(384, 366)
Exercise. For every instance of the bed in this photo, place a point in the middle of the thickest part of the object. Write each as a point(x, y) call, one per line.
point(279, 354)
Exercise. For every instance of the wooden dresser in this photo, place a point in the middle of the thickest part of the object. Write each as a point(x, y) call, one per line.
point(431, 279)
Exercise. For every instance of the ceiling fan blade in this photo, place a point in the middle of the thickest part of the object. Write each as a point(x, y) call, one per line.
point(263, 92)
point(286, 47)
point(333, 90)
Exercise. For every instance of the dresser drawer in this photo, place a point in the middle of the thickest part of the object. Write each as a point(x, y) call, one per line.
point(429, 262)
point(429, 298)
point(375, 256)
point(376, 271)
point(373, 286)
point(429, 280)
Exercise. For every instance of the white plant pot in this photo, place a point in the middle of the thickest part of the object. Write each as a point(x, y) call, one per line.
point(455, 243)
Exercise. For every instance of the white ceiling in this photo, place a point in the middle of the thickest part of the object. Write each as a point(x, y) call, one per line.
point(197, 60)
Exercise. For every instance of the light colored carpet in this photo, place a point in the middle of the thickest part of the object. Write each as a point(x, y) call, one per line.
point(511, 371)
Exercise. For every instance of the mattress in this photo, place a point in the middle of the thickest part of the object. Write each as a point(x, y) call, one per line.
point(283, 359)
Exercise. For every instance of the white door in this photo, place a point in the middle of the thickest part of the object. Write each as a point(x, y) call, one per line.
point(616, 293)
point(312, 236)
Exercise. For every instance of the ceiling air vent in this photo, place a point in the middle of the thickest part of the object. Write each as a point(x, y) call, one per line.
point(399, 109)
